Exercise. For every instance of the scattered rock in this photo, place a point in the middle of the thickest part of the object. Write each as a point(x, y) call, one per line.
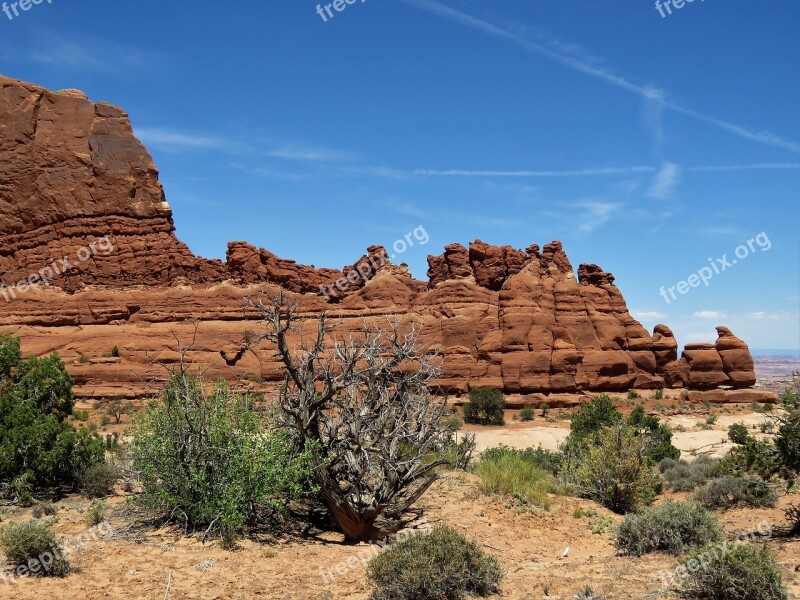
point(205, 565)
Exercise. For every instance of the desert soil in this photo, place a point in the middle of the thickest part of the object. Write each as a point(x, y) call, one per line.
point(529, 545)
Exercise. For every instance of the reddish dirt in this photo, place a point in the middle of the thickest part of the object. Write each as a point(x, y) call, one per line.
point(529, 545)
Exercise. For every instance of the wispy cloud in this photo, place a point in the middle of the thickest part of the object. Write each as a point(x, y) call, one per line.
point(271, 173)
point(708, 314)
point(666, 176)
point(450, 217)
point(770, 316)
point(754, 167)
point(590, 172)
point(87, 54)
point(593, 213)
point(645, 315)
point(665, 181)
point(306, 153)
point(652, 113)
point(172, 139)
point(556, 52)
point(406, 208)
point(723, 230)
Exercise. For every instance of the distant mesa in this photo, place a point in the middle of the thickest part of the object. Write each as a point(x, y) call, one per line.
point(524, 321)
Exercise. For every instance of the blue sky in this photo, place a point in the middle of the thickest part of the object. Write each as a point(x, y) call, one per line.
point(646, 144)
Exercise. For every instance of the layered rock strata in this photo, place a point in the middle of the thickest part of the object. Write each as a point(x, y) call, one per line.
point(76, 185)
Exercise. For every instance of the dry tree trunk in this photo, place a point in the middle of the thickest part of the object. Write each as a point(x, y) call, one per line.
point(363, 407)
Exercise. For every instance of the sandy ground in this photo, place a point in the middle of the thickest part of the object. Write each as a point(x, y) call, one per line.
point(529, 545)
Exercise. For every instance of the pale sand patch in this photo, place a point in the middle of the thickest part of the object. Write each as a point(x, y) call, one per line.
point(692, 442)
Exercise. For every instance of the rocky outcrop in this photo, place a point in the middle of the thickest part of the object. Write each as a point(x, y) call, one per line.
point(727, 362)
point(247, 264)
point(76, 185)
point(71, 174)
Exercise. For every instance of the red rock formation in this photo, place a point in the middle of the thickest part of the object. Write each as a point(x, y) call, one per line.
point(247, 264)
point(727, 362)
point(71, 173)
point(73, 176)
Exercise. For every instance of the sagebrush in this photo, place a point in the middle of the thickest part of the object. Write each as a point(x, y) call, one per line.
point(210, 460)
point(672, 527)
point(440, 565)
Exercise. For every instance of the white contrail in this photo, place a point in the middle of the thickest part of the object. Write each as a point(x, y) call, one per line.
point(647, 92)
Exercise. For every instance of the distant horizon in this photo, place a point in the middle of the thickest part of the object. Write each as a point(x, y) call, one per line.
point(775, 352)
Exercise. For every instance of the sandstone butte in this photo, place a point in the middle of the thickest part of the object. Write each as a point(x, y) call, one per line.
point(72, 173)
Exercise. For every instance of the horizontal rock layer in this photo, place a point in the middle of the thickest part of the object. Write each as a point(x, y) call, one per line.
point(77, 189)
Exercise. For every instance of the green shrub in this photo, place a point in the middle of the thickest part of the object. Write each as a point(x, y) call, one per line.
point(96, 513)
point(738, 572)
point(787, 437)
point(35, 400)
point(507, 471)
point(672, 527)
point(614, 470)
point(667, 464)
point(770, 458)
point(659, 436)
point(115, 351)
point(80, 414)
point(459, 452)
point(33, 546)
point(205, 457)
point(593, 416)
point(793, 519)
point(527, 414)
point(738, 434)
point(633, 395)
point(659, 394)
point(728, 491)
point(546, 460)
point(754, 457)
point(485, 406)
point(600, 525)
point(683, 476)
point(96, 480)
point(44, 509)
point(579, 513)
point(545, 408)
point(588, 593)
point(440, 565)
point(112, 442)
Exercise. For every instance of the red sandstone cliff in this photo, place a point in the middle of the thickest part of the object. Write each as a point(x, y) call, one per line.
point(72, 174)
